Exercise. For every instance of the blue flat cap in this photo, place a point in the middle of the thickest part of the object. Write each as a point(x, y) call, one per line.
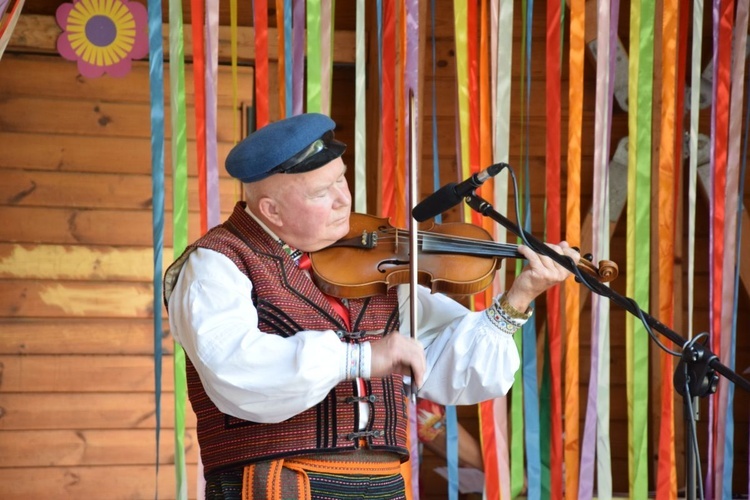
point(297, 144)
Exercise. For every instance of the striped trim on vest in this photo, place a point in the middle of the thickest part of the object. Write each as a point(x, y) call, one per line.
point(287, 301)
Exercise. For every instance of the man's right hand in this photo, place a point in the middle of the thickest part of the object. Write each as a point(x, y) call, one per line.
point(396, 353)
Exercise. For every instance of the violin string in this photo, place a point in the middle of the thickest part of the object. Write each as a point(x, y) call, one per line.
point(467, 245)
point(460, 240)
point(457, 244)
point(463, 239)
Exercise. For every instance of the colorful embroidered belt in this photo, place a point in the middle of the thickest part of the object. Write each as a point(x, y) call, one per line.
point(287, 477)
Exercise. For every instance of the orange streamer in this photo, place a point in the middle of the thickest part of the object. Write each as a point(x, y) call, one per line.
point(485, 126)
point(666, 487)
point(572, 444)
point(403, 127)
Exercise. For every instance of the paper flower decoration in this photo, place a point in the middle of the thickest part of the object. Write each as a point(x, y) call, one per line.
point(102, 35)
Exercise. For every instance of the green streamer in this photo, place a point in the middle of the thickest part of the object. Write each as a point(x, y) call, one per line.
point(517, 456)
point(179, 219)
point(314, 64)
point(640, 94)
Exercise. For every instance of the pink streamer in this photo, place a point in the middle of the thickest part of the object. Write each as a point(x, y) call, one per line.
point(326, 21)
point(607, 35)
point(411, 69)
point(298, 56)
point(213, 212)
point(709, 486)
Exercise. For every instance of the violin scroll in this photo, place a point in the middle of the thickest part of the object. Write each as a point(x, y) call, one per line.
point(606, 271)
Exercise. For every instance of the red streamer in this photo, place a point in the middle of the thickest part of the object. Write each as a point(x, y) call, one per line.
point(489, 450)
point(553, 234)
point(388, 117)
point(260, 21)
point(721, 143)
point(198, 15)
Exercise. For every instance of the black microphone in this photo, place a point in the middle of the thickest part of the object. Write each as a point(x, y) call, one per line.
point(451, 194)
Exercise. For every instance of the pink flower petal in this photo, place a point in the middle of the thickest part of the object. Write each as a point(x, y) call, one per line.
point(120, 69)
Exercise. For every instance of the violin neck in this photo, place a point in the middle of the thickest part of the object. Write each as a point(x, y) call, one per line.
point(435, 243)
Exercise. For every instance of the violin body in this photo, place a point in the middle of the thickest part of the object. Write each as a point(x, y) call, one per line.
point(453, 258)
point(374, 256)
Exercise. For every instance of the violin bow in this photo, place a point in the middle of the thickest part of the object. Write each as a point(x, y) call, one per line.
point(413, 231)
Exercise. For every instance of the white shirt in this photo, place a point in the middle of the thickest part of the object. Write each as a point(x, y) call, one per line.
point(268, 378)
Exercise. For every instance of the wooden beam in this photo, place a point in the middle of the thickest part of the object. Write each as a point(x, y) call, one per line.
point(130, 481)
point(114, 410)
point(38, 34)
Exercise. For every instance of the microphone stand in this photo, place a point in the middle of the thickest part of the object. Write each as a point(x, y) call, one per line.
point(696, 372)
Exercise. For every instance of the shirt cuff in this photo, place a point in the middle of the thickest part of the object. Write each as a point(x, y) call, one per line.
point(358, 361)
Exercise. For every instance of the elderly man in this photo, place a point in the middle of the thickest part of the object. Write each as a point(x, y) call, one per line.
point(299, 395)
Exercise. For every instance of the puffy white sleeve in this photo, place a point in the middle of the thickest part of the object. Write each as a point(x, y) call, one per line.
point(468, 359)
point(212, 316)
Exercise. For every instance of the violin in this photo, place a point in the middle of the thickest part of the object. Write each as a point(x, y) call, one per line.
point(455, 258)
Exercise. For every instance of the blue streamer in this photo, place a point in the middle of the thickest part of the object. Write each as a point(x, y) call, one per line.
point(530, 388)
point(451, 450)
point(156, 86)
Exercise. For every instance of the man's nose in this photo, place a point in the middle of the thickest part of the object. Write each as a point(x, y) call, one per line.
point(343, 196)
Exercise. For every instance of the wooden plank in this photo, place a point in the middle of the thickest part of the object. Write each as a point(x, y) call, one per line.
point(97, 118)
point(54, 299)
point(127, 228)
point(71, 448)
point(68, 153)
point(95, 190)
point(77, 262)
point(36, 33)
point(76, 373)
point(61, 79)
point(74, 411)
point(133, 482)
point(81, 336)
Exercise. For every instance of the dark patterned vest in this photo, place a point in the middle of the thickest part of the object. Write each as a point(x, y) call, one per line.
point(287, 301)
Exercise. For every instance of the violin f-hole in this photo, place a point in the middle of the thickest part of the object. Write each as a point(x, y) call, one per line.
point(390, 262)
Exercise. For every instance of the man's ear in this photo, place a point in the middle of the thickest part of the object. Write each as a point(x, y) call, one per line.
point(269, 209)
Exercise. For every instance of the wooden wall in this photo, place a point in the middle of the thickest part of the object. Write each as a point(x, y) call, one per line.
point(76, 270)
point(76, 344)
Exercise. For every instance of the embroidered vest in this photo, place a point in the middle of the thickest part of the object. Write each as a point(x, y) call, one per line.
point(287, 301)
